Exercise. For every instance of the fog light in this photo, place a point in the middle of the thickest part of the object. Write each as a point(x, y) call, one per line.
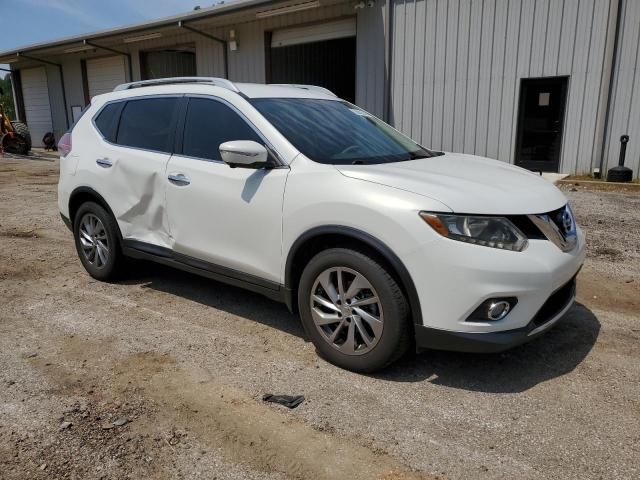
point(493, 310)
point(498, 310)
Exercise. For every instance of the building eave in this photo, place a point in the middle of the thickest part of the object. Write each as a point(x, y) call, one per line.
point(201, 14)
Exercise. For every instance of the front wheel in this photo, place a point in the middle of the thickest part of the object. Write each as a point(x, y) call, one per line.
point(353, 310)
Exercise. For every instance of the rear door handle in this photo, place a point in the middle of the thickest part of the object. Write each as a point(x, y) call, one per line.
point(179, 179)
point(104, 162)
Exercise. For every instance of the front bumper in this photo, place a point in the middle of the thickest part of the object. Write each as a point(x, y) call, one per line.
point(488, 342)
point(452, 279)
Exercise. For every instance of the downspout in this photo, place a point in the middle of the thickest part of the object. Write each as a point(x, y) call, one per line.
point(613, 65)
point(113, 50)
point(388, 48)
point(64, 94)
point(225, 55)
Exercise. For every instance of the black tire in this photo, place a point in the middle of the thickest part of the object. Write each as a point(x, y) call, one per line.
point(23, 130)
point(15, 144)
point(395, 338)
point(110, 269)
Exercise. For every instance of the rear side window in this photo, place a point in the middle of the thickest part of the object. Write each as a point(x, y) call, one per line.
point(208, 124)
point(148, 123)
point(107, 121)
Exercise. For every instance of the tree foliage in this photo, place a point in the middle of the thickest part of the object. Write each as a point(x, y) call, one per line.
point(7, 97)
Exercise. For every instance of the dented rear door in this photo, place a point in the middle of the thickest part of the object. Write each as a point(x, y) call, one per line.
point(132, 167)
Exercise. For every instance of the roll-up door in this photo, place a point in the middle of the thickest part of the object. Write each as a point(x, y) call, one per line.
point(314, 33)
point(322, 54)
point(37, 109)
point(103, 74)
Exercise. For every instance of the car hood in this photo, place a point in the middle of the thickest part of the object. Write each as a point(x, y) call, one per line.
point(466, 183)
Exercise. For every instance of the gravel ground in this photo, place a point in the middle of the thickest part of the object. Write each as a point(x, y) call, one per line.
point(161, 375)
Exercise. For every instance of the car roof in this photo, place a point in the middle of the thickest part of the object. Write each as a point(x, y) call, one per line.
point(258, 90)
point(211, 85)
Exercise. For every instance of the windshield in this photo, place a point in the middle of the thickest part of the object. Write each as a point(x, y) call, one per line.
point(336, 132)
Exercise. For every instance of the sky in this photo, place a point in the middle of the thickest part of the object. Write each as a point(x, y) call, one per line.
point(23, 22)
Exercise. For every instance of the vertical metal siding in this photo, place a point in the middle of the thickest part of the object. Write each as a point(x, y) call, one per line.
point(508, 117)
point(58, 116)
point(451, 63)
point(370, 62)
point(73, 84)
point(625, 102)
point(497, 77)
point(460, 92)
point(475, 54)
point(473, 79)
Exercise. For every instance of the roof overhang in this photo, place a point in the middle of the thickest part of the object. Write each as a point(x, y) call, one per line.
point(166, 26)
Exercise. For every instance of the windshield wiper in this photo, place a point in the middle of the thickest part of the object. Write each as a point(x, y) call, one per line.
point(416, 155)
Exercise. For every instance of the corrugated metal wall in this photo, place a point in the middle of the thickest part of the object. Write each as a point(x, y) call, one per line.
point(247, 64)
point(457, 65)
point(625, 101)
point(370, 58)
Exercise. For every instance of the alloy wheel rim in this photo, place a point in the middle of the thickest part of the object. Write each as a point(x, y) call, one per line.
point(94, 240)
point(346, 310)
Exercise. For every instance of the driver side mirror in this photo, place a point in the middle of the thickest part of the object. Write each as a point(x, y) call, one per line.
point(243, 154)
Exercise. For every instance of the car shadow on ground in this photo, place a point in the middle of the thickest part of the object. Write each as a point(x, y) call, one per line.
point(233, 300)
point(551, 355)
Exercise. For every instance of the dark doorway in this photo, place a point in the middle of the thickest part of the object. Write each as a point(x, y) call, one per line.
point(328, 63)
point(174, 62)
point(540, 123)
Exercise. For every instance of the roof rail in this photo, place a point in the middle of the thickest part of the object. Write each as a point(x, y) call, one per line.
point(218, 82)
point(311, 88)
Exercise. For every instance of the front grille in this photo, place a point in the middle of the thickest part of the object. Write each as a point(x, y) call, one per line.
point(527, 227)
point(555, 303)
point(556, 217)
point(559, 227)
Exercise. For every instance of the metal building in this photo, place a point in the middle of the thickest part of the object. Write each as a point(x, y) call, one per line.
point(546, 84)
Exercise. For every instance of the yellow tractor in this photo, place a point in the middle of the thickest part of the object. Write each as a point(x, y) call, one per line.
point(14, 136)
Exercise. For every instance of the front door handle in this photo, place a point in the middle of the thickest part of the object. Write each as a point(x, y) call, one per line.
point(179, 179)
point(104, 162)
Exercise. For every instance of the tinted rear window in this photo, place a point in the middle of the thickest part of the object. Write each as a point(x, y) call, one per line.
point(148, 123)
point(210, 123)
point(107, 121)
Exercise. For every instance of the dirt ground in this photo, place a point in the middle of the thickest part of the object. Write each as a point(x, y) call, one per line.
point(161, 375)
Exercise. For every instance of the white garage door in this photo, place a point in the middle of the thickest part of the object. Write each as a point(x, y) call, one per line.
point(103, 74)
point(36, 103)
point(314, 33)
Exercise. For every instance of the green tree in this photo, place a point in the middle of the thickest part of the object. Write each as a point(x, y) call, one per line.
point(7, 97)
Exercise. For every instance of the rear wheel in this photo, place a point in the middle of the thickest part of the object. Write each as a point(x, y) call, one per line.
point(353, 310)
point(96, 239)
point(23, 131)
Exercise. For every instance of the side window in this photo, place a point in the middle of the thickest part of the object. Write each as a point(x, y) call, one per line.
point(107, 121)
point(148, 123)
point(208, 124)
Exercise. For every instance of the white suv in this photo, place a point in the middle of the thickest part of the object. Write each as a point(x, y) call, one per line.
point(382, 245)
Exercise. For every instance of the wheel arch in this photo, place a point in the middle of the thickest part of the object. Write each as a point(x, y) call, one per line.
point(82, 195)
point(317, 239)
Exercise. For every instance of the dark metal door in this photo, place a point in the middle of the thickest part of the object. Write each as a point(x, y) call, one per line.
point(328, 63)
point(179, 62)
point(540, 123)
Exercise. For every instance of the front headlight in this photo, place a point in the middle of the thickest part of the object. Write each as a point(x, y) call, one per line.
point(495, 232)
